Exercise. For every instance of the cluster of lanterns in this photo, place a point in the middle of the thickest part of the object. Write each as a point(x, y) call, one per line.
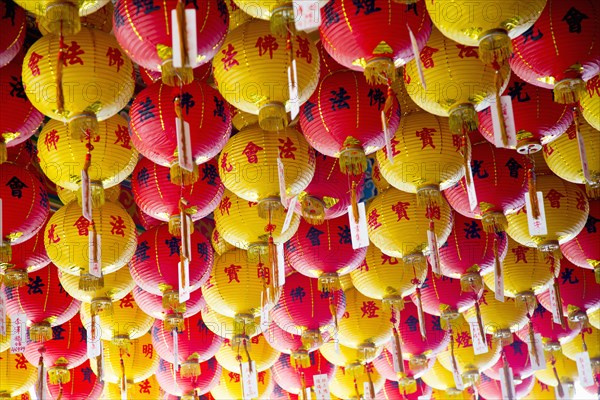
point(269, 199)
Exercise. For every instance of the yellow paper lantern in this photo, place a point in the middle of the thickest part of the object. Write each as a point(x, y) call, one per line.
point(61, 16)
point(398, 226)
point(590, 102)
point(248, 165)
point(427, 157)
point(378, 180)
point(346, 355)
point(566, 209)
point(225, 326)
point(593, 318)
point(365, 325)
point(240, 225)
point(63, 156)
point(230, 385)
point(541, 391)
point(562, 156)
point(251, 71)
point(440, 378)
point(386, 278)
point(557, 364)
point(591, 336)
point(93, 83)
point(489, 24)
point(260, 352)
point(458, 84)
point(142, 390)
point(349, 383)
point(140, 361)
point(237, 16)
point(219, 244)
point(17, 376)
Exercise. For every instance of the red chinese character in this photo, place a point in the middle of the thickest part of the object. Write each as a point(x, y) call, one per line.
point(593, 86)
point(581, 201)
point(263, 272)
point(145, 386)
point(20, 361)
point(233, 377)
point(118, 225)
point(33, 63)
point(369, 309)
point(400, 208)
point(287, 149)
point(267, 43)
point(51, 139)
point(554, 197)
point(127, 301)
point(82, 225)
point(372, 220)
point(394, 142)
point(70, 54)
point(520, 253)
point(115, 57)
point(250, 152)
point(303, 49)
point(252, 204)
point(52, 238)
point(426, 136)
point(225, 205)
point(364, 267)
point(122, 134)
point(463, 339)
point(232, 272)
point(467, 51)
point(385, 259)
point(433, 212)
point(548, 149)
point(229, 60)
point(208, 283)
point(572, 133)
point(426, 57)
point(225, 165)
point(459, 142)
point(148, 350)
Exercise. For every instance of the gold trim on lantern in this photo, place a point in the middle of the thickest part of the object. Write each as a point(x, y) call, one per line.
point(61, 18)
point(313, 210)
point(379, 69)
point(96, 192)
point(282, 20)
point(471, 281)
point(495, 47)
point(353, 160)
point(463, 118)
point(549, 246)
point(15, 277)
point(493, 221)
point(5, 252)
point(329, 281)
point(101, 305)
point(40, 331)
point(89, 282)
point(311, 338)
point(301, 358)
point(180, 176)
point(190, 368)
point(59, 373)
point(569, 90)
point(272, 116)
point(174, 321)
point(82, 123)
point(271, 207)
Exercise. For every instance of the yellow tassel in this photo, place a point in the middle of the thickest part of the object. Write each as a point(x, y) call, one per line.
point(463, 119)
point(97, 194)
point(398, 349)
point(494, 221)
point(102, 305)
point(311, 338)
point(174, 321)
point(503, 133)
point(479, 319)
point(353, 160)
point(354, 202)
point(60, 392)
point(380, 70)
point(15, 277)
point(313, 210)
point(191, 367)
point(174, 76)
point(5, 252)
point(61, 17)
point(370, 379)
point(88, 282)
point(303, 386)
point(495, 47)
point(59, 372)
point(170, 297)
point(40, 332)
point(559, 303)
point(83, 125)
point(301, 359)
point(533, 349)
point(569, 91)
point(270, 207)
point(429, 196)
point(329, 282)
point(282, 20)
point(3, 151)
point(123, 383)
point(180, 176)
point(272, 117)
point(333, 311)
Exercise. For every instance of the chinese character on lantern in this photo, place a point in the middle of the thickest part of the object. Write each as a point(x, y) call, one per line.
point(339, 99)
point(369, 309)
point(287, 148)
point(250, 152)
point(266, 44)
point(232, 272)
point(427, 57)
point(118, 225)
point(229, 60)
point(472, 230)
point(426, 136)
point(467, 51)
point(70, 54)
point(16, 186)
point(115, 57)
point(554, 197)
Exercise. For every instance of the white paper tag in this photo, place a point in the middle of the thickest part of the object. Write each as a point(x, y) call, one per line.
point(499, 285)
point(175, 338)
point(425, 397)
point(18, 337)
point(583, 157)
point(307, 394)
point(264, 313)
point(291, 207)
point(433, 252)
point(358, 231)
point(280, 264)
point(321, 387)
point(367, 395)
point(417, 55)
point(293, 90)
point(421, 316)
point(584, 367)
point(93, 341)
point(557, 395)
point(186, 234)
point(190, 39)
point(307, 15)
point(458, 382)
point(249, 381)
point(95, 254)
point(471, 192)
point(184, 281)
point(336, 342)
point(507, 385)
point(184, 146)
point(479, 342)
point(556, 313)
point(86, 196)
point(538, 364)
point(2, 311)
point(388, 139)
point(509, 123)
point(282, 187)
point(537, 226)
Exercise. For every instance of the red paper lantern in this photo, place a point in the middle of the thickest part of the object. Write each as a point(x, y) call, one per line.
point(153, 123)
point(145, 220)
point(343, 118)
point(491, 389)
point(83, 384)
point(288, 373)
point(538, 119)
point(373, 37)
point(44, 301)
point(393, 391)
point(289, 343)
point(22, 154)
point(500, 180)
point(153, 304)
point(559, 46)
point(517, 357)
point(279, 393)
point(13, 31)
point(145, 33)
point(583, 250)
point(543, 324)
point(384, 363)
point(156, 196)
point(173, 383)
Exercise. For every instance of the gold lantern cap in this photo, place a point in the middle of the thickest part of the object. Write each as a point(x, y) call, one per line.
point(272, 116)
point(61, 17)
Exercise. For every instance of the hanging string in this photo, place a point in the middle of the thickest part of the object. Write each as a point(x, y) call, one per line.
point(395, 320)
point(60, 98)
point(532, 187)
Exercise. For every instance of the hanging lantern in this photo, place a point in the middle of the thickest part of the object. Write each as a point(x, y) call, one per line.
point(582, 250)
point(67, 240)
point(518, 357)
point(147, 36)
point(172, 314)
point(230, 385)
point(146, 221)
point(107, 157)
point(452, 66)
point(566, 210)
point(291, 343)
point(266, 59)
point(328, 64)
point(171, 381)
point(559, 47)
point(18, 118)
point(5, 339)
point(44, 301)
point(365, 37)
point(590, 102)
point(256, 350)
point(441, 379)
point(66, 196)
point(22, 154)
point(378, 180)
point(560, 373)
point(342, 356)
point(538, 119)
point(564, 159)
point(14, 31)
point(349, 382)
point(82, 383)
point(57, 61)
point(386, 365)
point(157, 113)
point(296, 377)
point(248, 166)
point(588, 341)
point(225, 326)
point(500, 178)
point(552, 334)
point(347, 120)
point(489, 388)
point(146, 389)
point(17, 376)
point(156, 196)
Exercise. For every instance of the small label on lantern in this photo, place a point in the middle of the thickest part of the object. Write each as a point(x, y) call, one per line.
point(499, 284)
point(479, 342)
point(556, 312)
point(434, 259)
point(186, 234)
point(175, 338)
point(290, 214)
point(321, 387)
point(388, 139)
point(471, 193)
point(537, 226)
point(190, 38)
point(280, 265)
point(264, 312)
point(93, 337)
point(183, 269)
point(367, 395)
point(18, 336)
point(2, 311)
point(184, 145)
point(557, 392)
point(537, 363)
point(249, 380)
point(416, 54)
point(86, 196)
point(507, 384)
point(307, 394)
point(458, 382)
point(509, 124)
point(293, 90)
point(281, 177)
point(95, 254)
point(307, 15)
point(584, 367)
point(358, 230)
point(583, 156)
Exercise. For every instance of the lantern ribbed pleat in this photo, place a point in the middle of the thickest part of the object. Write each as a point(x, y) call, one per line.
point(261, 353)
point(385, 365)
point(498, 316)
point(224, 326)
point(492, 389)
point(345, 355)
point(412, 342)
point(444, 296)
point(288, 374)
point(582, 250)
point(153, 305)
point(30, 255)
point(566, 370)
point(518, 359)
point(543, 324)
point(145, 389)
point(13, 34)
point(592, 345)
point(441, 379)
point(80, 385)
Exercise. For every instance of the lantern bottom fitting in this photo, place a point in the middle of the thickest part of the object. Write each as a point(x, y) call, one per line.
point(61, 17)
point(380, 71)
point(15, 277)
point(313, 210)
point(367, 351)
point(549, 246)
point(578, 316)
point(282, 20)
point(429, 195)
point(270, 207)
point(329, 281)
point(353, 160)
point(552, 346)
point(450, 314)
point(174, 321)
point(190, 368)
point(569, 90)
point(471, 375)
point(471, 281)
point(5, 252)
point(463, 119)
point(101, 304)
point(494, 221)
point(273, 117)
point(495, 47)
point(417, 362)
point(83, 125)
point(175, 76)
point(311, 338)
point(393, 300)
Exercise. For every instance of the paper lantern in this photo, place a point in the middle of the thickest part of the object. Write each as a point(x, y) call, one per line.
point(590, 337)
point(66, 196)
point(266, 59)
point(230, 385)
point(61, 17)
point(566, 209)
point(82, 383)
point(378, 180)
point(342, 356)
point(258, 349)
point(541, 391)
point(146, 34)
point(219, 244)
point(155, 111)
point(392, 390)
point(17, 376)
point(452, 66)
point(18, 118)
point(365, 36)
point(22, 154)
point(538, 119)
point(343, 118)
point(489, 388)
point(14, 33)
point(248, 165)
point(590, 102)
point(5, 339)
point(441, 379)
point(558, 47)
point(387, 367)
point(255, 231)
point(543, 323)
point(398, 226)
point(44, 301)
point(225, 326)
point(172, 314)
point(295, 378)
point(518, 358)
point(91, 55)
point(281, 14)
point(582, 250)
point(562, 156)
point(559, 366)
point(500, 180)
point(291, 343)
point(148, 388)
point(350, 382)
point(173, 383)
point(67, 239)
